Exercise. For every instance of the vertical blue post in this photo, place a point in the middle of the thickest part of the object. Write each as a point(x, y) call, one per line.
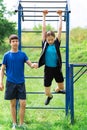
point(19, 24)
point(71, 94)
point(67, 59)
point(19, 37)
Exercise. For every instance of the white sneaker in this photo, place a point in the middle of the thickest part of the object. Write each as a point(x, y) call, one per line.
point(14, 126)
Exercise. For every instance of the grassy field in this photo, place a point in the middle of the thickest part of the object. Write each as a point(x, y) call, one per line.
point(49, 119)
point(40, 119)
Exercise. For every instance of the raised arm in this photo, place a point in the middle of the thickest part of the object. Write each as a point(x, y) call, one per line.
point(45, 12)
point(59, 12)
point(1, 77)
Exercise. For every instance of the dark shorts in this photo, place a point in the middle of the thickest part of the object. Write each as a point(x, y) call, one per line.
point(50, 73)
point(15, 91)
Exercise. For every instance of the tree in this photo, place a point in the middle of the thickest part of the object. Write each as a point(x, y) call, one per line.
point(6, 27)
point(39, 27)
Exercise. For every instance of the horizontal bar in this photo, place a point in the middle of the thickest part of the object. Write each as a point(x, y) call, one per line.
point(38, 31)
point(51, 11)
point(41, 16)
point(41, 93)
point(36, 7)
point(79, 65)
point(36, 77)
point(37, 47)
point(39, 20)
point(69, 11)
point(35, 92)
point(43, 1)
point(62, 62)
point(44, 107)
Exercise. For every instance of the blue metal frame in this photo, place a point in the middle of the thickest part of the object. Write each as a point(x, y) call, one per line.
point(66, 18)
point(19, 47)
point(71, 85)
point(71, 93)
point(19, 25)
point(67, 60)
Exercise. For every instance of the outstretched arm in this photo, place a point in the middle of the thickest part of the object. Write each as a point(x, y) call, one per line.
point(1, 77)
point(32, 65)
point(45, 12)
point(59, 12)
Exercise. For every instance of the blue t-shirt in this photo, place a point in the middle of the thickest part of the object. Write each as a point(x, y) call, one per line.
point(14, 62)
point(51, 57)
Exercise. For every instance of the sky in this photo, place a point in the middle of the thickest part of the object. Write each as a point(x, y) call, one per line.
point(78, 9)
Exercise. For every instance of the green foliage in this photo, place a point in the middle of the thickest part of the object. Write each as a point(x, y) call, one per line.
point(78, 45)
point(6, 27)
point(2, 9)
point(78, 35)
point(49, 27)
point(39, 27)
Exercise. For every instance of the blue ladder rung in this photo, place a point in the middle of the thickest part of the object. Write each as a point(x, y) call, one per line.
point(44, 7)
point(61, 1)
point(41, 93)
point(27, 107)
point(37, 47)
point(31, 31)
point(34, 77)
point(39, 20)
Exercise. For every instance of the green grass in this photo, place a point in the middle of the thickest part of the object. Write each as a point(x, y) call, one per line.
point(48, 119)
point(78, 52)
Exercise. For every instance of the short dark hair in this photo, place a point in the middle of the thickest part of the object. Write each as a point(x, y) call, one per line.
point(50, 33)
point(13, 36)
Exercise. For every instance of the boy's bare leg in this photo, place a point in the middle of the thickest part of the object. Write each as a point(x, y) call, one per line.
point(22, 111)
point(13, 110)
point(60, 86)
point(48, 91)
point(48, 94)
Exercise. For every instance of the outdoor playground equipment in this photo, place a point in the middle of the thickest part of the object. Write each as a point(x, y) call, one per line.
point(31, 11)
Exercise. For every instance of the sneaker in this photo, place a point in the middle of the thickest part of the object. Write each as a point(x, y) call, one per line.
point(48, 100)
point(14, 126)
point(61, 91)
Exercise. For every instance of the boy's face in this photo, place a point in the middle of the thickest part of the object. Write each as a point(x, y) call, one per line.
point(50, 39)
point(14, 43)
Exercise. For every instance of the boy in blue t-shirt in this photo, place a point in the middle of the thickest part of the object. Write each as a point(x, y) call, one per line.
point(13, 62)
